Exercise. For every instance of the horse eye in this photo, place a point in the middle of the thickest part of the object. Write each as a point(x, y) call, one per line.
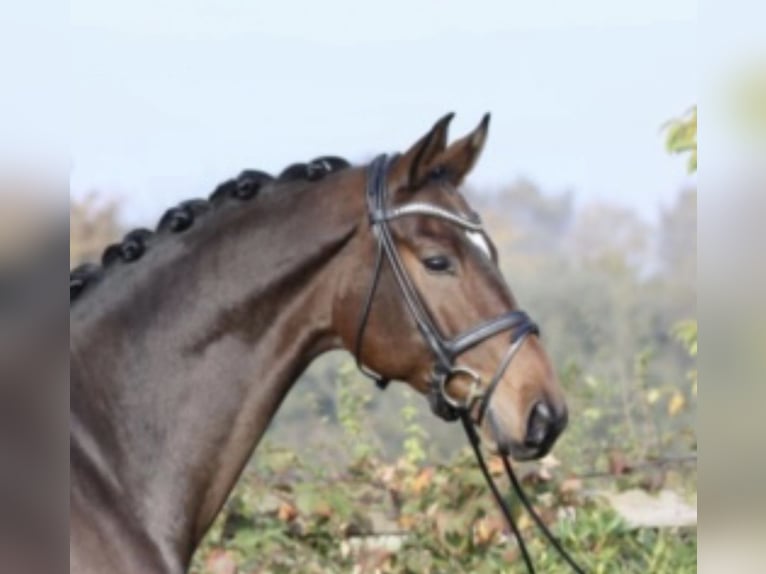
point(437, 263)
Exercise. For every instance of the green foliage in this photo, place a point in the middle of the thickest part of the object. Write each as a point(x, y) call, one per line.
point(645, 416)
point(353, 400)
point(686, 333)
point(415, 435)
point(400, 518)
point(681, 137)
point(409, 518)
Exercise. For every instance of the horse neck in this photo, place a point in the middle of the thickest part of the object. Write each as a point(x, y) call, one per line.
point(177, 375)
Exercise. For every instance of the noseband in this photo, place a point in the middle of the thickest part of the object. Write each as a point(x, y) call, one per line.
point(446, 352)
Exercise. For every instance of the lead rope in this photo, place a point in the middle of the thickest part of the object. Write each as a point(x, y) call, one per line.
point(473, 438)
point(475, 441)
point(539, 521)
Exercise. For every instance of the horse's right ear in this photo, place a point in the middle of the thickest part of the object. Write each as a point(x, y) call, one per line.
point(410, 168)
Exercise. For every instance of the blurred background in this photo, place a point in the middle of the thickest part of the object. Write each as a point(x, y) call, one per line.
point(587, 185)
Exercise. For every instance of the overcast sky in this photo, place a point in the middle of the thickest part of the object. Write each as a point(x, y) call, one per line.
point(172, 96)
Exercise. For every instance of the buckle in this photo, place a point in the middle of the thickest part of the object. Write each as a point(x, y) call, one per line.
point(475, 393)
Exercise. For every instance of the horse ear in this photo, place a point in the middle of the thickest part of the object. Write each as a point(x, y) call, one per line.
point(410, 169)
point(459, 158)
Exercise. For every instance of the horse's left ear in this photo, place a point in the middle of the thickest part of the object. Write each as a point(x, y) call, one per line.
point(458, 159)
point(410, 168)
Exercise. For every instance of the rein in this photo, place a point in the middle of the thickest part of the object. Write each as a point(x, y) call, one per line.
point(447, 351)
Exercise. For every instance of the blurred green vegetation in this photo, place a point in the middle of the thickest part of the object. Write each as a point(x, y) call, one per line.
point(372, 515)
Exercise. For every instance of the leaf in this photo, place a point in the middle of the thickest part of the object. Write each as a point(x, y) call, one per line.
point(287, 512)
point(486, 529)
point(422, 480)
point(592, 413)
point(221, 562)
point(618, 463)
point(652, 396)
point(676, 403)
point(308, 499)
point(550, 462)
point(524, 522)
point(681, 137)
point(570, 485)
point(407, 521)
point(495, 466)
point(686, 333)
point(592, 382)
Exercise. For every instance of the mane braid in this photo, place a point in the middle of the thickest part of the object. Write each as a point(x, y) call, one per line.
point(178, 219)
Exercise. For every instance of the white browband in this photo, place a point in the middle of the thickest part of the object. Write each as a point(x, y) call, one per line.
point(418, 208)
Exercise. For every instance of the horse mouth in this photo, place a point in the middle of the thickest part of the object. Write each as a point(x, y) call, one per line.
point(502, 444)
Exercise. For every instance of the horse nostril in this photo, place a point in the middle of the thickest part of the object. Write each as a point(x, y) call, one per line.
point(539, 426)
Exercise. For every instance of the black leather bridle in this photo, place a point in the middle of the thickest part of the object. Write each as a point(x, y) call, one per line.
point(446, 352)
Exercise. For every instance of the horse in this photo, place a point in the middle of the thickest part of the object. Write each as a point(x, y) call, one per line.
point(185, 340)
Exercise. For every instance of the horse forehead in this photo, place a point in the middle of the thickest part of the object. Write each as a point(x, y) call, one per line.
point(459, 205)
point(454, 202)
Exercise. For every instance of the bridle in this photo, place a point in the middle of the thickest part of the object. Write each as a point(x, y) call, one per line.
point(446, 351)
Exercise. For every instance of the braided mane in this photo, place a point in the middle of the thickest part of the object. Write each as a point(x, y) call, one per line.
point(178, 219)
